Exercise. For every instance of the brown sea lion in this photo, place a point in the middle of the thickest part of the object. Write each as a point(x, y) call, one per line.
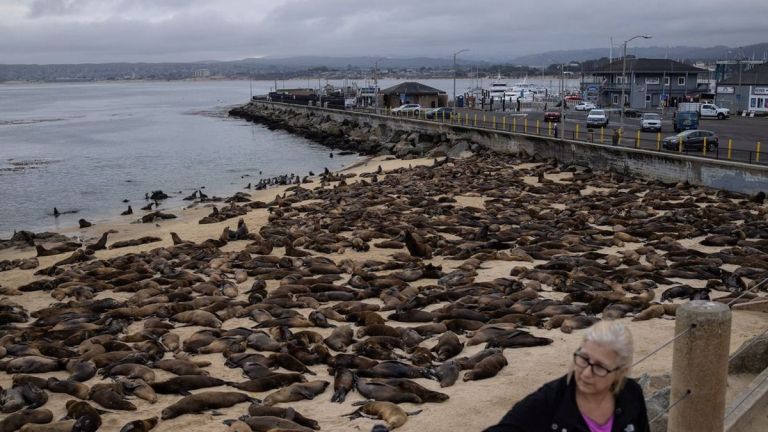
point(140, 425)
point(425, 394)
point(70, 387)
point(340, 338)
point(270, 382)
point(179, 367)
point(343, 382)
point(184, 383)
point(447, 373)
point(417, 246)
point(256, 410)
point(448, 345)
point(384, 392)
point(131, 370)
point(33, 364)
point(60, 426)
point(577, 322)
point(296, 392)
point(487, 367)
point(81, 370)
point(274, 424)
point(652, 311)
point(198, 317)
point(392, 414)
point(199, 402)
point(111, 396)
point(15, 421)
point(87, 418)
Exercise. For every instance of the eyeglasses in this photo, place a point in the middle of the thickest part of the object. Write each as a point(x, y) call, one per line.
point(583, 361)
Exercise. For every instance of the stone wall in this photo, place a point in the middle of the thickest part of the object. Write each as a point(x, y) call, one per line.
point(405, 137)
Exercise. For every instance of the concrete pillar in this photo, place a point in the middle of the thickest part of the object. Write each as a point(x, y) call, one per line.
point(700, 364)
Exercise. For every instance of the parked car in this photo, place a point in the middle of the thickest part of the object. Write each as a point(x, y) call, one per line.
point(552, 116)
point(650, 122)
point(407, 109)
point(584, 106)
point(597, 118)
point(632, 113)
point(439, 113)
point(692, 140)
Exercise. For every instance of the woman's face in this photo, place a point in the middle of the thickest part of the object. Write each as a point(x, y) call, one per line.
point(586, 381)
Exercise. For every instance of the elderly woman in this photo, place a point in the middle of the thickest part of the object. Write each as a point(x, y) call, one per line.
point(595, 395)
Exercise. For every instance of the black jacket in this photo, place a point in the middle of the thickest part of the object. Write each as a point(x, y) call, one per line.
point(552, 408)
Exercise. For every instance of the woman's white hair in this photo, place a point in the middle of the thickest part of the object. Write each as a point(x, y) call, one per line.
point(616, 337)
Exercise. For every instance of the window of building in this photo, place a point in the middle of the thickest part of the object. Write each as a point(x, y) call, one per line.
point(647, 98)
point(681, 81)
point(753, 102)
point(615, 99)
point(666, 81)
point(619, 80)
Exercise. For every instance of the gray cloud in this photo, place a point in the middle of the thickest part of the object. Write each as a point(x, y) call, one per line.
point(65, 31)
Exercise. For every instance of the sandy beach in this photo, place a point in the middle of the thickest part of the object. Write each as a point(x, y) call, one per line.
point(472, 405)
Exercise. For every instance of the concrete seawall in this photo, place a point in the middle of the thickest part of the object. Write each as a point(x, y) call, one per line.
point(665, 167)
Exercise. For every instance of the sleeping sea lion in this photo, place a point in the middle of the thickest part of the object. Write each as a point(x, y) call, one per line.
point(199, 402)
point(296, 392)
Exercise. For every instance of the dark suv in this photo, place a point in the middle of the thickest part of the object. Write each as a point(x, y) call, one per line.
point(692, 140)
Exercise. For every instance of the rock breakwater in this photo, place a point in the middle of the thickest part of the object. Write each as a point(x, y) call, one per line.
point(358, 136)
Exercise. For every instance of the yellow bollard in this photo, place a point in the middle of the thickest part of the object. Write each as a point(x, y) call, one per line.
point(549, 128)
point(637, 140)
point(538, 130)
point(577, 131)
point(704, 147)
point(602, 135)
point(514, 124)
point(504, 122)
point(658, 141)
point(757, 155)
point(730, 145)
point(443, 116)
point(525, 125)
point(475, 119)
point(680, 145)
point(458, 118)
point(494, 122)
point(483, 119)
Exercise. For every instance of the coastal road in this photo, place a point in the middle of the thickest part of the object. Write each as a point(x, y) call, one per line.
point(745, 133)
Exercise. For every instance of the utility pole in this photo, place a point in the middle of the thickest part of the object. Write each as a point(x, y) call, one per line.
point(624, 72)
point(454, 74)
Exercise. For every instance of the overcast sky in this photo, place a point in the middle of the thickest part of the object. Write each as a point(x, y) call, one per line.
point(96, 31)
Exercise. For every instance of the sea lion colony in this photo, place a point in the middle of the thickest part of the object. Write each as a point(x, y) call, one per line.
point(300, 306)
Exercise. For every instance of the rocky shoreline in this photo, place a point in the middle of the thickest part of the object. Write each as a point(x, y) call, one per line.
point(354, 136)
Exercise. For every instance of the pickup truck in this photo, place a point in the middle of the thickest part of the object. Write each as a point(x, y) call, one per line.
point(705, 109)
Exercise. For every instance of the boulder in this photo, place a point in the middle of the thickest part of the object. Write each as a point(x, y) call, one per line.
point(753, 358)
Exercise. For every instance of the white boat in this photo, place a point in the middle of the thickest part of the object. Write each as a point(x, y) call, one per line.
point(527, 92)
point(498, 89)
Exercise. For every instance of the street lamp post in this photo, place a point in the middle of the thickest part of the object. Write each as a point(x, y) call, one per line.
point(624, 72)
point(454, 74)
point(376, 85)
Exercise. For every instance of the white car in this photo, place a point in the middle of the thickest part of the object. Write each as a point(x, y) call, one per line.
point(407, 109)
point(584, 106)
point(597, 118)
point(651, 122)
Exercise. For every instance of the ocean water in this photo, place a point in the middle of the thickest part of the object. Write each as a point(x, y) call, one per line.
point(87, 147)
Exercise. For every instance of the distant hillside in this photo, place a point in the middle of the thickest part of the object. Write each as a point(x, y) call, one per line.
point(720, 52)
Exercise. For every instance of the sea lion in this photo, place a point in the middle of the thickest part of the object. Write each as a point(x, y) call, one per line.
point(343, 382)
point(184, 383)
point(87, 418)
point(447, 373)
point(652, 311)
point(448, 345)
point(577, 322)
point(131, 370)
point(111, 396)
point(517, 339)
point(199, 402)
point(340, 338)
point(99, 245)
point(198, 317)
point(33, 364)
point(15, 421)
point(387, 411)
point(416, 245)
point(84, 223)
point(256, 410)
point(384, 392)
point(179, 367)
point(59, 426)
point(81, 370)
point(274, 424)
point(487, 367)
point(296, 392)
point(351, 361)
point(270, 382)
point(140, 425)
point(425, 394)
point(68, 386)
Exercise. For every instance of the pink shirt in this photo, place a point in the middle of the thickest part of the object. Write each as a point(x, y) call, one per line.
point(595, 427)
